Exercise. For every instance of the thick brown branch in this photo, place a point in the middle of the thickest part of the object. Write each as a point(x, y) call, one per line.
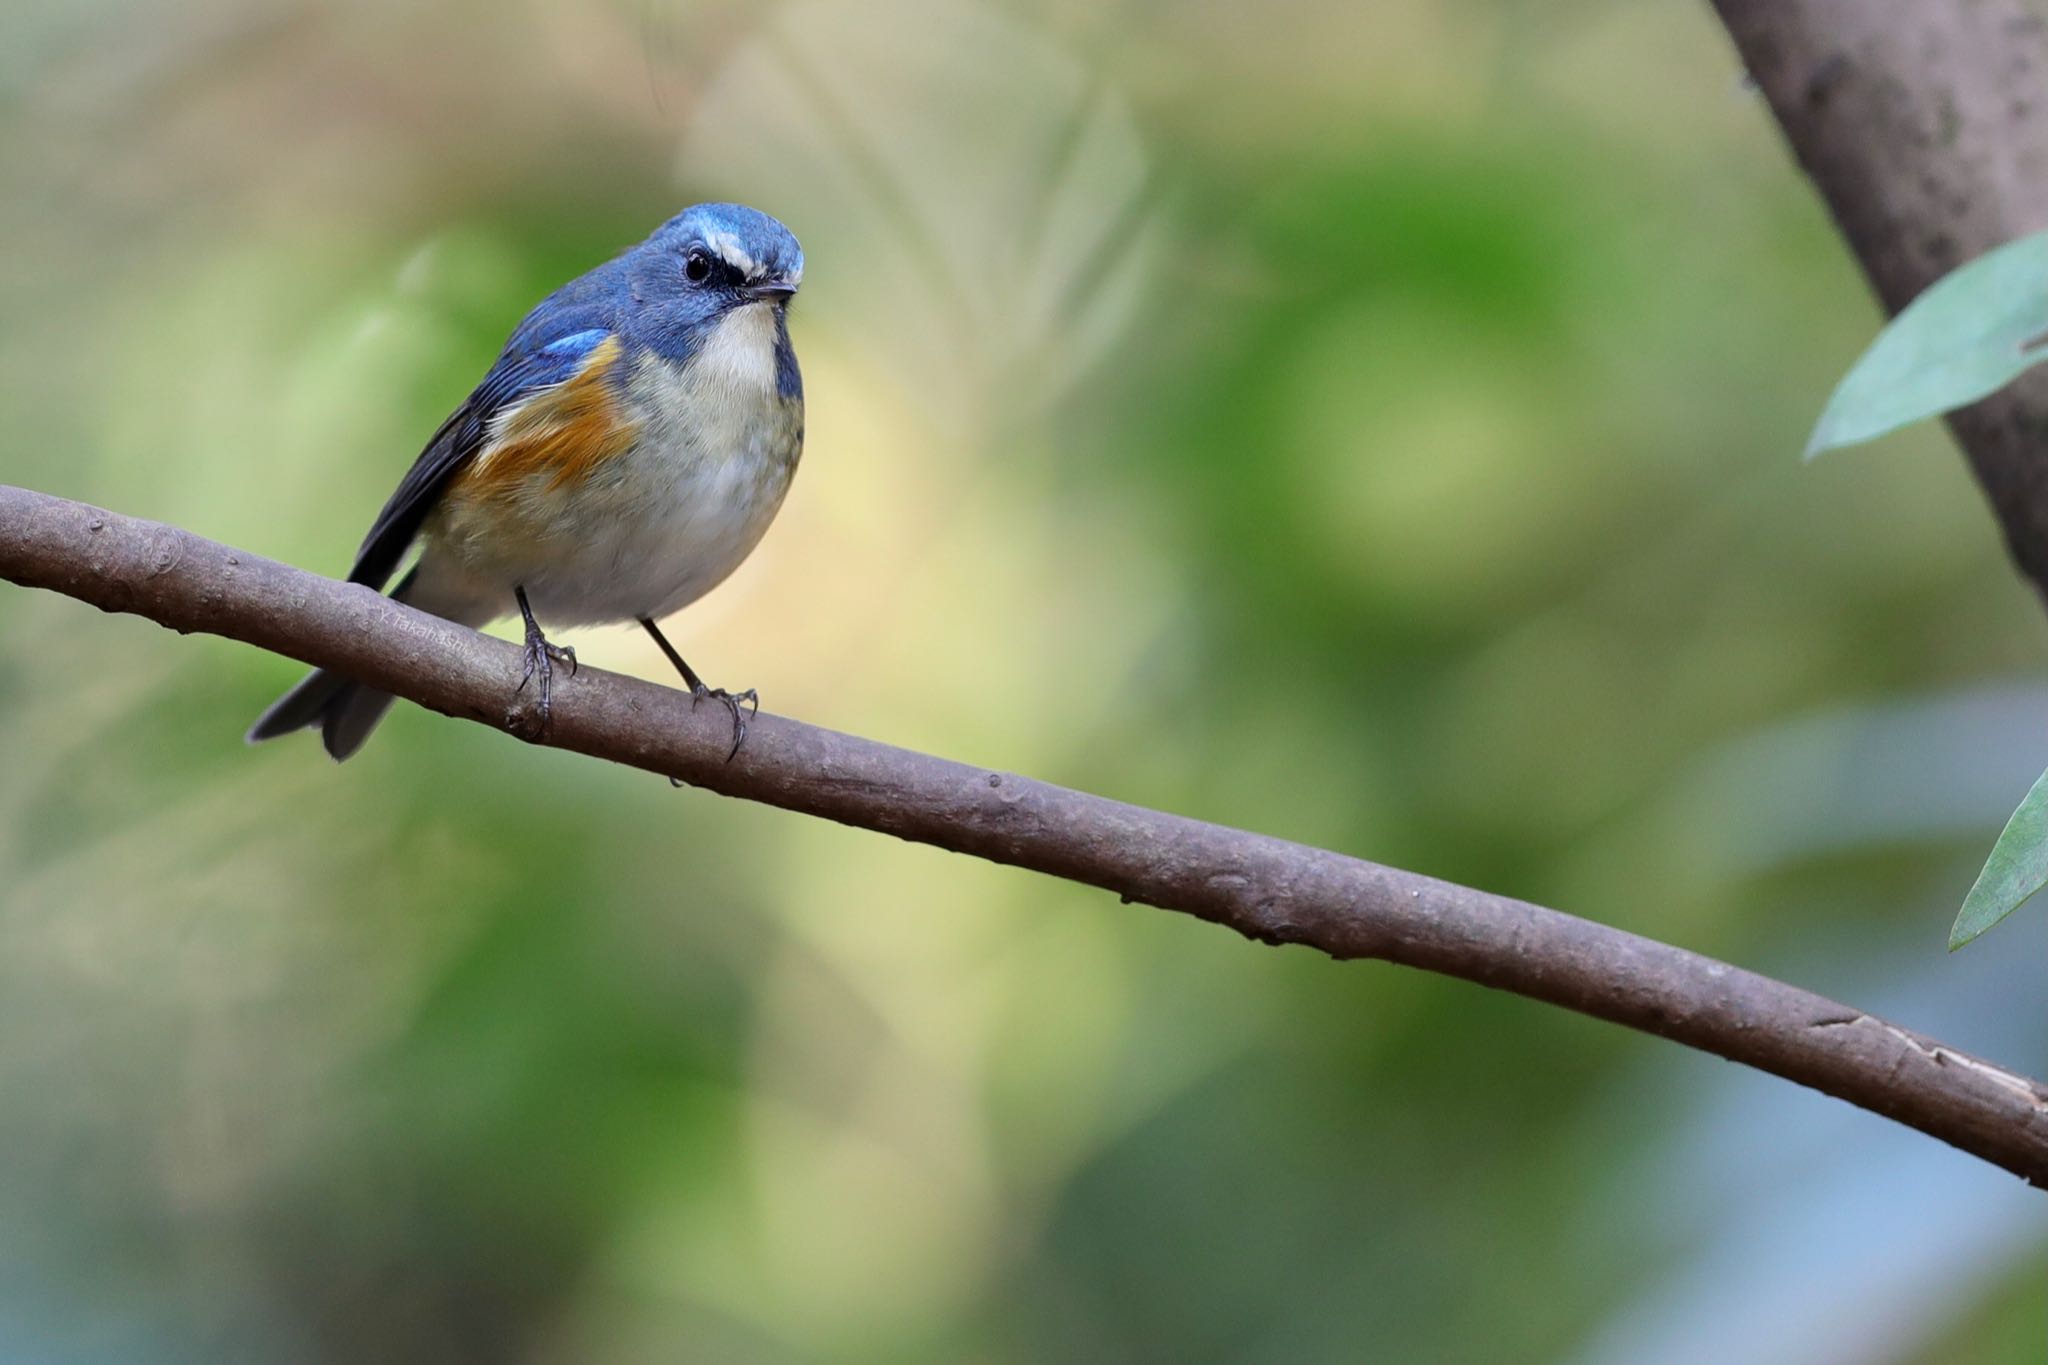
point(1924, 124)
point(1266, 889)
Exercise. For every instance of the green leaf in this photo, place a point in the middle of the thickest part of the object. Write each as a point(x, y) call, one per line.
point(1967, 336)
point(2016, 869)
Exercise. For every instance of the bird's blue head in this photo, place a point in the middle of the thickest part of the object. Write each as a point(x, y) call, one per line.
point(734, 247)
point(705, 263)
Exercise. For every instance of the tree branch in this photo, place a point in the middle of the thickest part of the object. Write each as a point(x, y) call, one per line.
point(1925, 127)
point(1267, 889)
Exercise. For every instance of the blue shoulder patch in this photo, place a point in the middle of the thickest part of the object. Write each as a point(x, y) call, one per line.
point(577, 344)
point(517, 374)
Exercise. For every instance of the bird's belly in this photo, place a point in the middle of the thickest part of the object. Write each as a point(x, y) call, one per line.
point(645, 532)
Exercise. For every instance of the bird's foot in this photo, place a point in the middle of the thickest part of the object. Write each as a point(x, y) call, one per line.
point(743, 706)
point(541, 658)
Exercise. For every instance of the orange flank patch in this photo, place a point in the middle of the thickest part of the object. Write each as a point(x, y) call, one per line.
point(560, 434)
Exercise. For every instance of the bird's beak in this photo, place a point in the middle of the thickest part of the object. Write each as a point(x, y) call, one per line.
point(771, 290)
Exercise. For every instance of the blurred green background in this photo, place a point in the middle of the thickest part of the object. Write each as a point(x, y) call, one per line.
point(1372, 424)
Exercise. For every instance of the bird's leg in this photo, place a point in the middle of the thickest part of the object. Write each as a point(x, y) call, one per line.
point(732, 701)
point(541, 657)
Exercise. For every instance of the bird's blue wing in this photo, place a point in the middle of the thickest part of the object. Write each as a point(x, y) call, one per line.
point(548, 348)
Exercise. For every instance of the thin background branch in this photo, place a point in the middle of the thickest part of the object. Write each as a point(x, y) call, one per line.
point(1267, 889)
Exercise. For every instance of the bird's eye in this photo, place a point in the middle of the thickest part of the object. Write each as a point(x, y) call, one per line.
point(697, 267)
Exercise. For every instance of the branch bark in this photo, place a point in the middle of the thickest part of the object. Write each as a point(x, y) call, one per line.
point(1924, 124)
point(1267, 889)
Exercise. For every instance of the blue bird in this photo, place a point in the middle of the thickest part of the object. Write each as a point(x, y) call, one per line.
point(624, 454)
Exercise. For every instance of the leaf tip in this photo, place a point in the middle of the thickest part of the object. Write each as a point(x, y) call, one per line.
point(1826, 435)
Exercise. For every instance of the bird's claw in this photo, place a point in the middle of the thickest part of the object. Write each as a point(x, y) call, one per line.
point(732, 701)
point(541, 657)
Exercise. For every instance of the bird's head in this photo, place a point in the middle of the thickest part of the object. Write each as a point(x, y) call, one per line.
point(714, 281)
point(711, 259)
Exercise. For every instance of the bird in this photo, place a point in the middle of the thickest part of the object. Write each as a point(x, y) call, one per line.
point(624, 454)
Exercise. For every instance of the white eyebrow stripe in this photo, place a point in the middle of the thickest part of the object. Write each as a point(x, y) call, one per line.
point(733, 254)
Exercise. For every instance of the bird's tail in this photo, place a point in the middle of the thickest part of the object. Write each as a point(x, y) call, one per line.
point(342, 709)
